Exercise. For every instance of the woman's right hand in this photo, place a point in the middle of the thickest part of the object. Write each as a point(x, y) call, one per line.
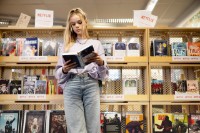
point(68, 66)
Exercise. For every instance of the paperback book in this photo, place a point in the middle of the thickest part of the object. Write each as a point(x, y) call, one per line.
point(160, 48)
point(180, 123)
point(163, 122)
point(130, 86)
point(31, 47)
point(119, 49)
point(194, 123)
point(107, 49)
point(192, 87)
point(15, 86)
point(56, 122)
point(34, 121)
point(80, 58)
point(10, 121)
point(112, 122)
point(49, 48)
point(4, 87)
point(133, 49)
point(179, 49)
point(134, 122)
point(193, 48)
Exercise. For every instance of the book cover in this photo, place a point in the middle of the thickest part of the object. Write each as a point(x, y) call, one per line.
point(163, 122)
point(40, 87)
point(34, 121)
point(107, 48)
point(56, 122)
point(112, 122)
point(48, 48)
point(134, 122)
point(29, 84)
point(10, 121)
point(80, 57)
point(156, 86)
point(31, 47)
point(9, 47)
point(133, 49)
point(15, 87)
point(119, 49)
point(181, 86)
point(52, 85)
point(194, 123)
point(192, 87)
point(179, 49)
point(180, 123)
point(193, 48)
point(130, 86)
point(4, 87)
point(160, 48)
point(20, 45)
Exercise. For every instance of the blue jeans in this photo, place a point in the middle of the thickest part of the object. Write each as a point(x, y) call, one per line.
point(82, 105)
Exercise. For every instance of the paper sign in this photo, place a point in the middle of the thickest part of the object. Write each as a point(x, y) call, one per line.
point(23, 20)
point(144, 19)
point(137, 14)
point(31, 96)
point(43, 18)
point(112, 97)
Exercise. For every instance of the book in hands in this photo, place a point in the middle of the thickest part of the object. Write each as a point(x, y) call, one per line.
point(81, 57)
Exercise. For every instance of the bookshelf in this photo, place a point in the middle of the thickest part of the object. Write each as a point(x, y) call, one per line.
point(142, 68)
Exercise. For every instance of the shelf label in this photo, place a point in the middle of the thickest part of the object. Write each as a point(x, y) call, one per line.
point(33, 58)
point(31, 96)
point(115, 58)
point(187, 97)
point(185, 58)
point(112, 97)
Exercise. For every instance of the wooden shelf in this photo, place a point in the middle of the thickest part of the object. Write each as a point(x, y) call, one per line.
point(168, 98)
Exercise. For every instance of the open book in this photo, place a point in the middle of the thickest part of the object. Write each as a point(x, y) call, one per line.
point(80, 57)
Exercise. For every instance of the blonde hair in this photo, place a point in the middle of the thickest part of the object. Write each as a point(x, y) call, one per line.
point(70, 36)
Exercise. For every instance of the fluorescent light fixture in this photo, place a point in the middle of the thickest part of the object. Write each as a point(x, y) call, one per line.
point(151, 5)
point(120, 21)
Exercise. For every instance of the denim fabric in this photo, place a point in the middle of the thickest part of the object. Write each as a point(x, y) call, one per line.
point(82, 104)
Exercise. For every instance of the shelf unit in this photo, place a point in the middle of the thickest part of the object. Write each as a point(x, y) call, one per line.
point(142, 67)
point(169, 71)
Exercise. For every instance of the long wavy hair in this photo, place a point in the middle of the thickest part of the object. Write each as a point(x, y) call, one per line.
point(69, 35)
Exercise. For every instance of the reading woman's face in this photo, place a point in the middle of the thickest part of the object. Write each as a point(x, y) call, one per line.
point(77, 24)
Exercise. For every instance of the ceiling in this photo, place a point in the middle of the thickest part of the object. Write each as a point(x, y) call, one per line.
point(172, 13)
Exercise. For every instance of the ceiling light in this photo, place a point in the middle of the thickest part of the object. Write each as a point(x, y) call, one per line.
point(151, 5)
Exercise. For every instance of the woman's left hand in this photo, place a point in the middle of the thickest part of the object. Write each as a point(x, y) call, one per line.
point(96, 58)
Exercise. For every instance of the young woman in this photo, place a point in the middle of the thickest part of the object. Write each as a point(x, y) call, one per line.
point(80, 86)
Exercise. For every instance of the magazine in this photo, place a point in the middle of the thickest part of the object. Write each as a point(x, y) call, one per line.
point(80, 57)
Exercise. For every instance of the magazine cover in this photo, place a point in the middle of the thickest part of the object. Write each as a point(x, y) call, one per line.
point(112, 122)
point(163, 122)
point(56, 122)
point(31, 47)
point(134, 122)
point(130, 86)
point(194, 123)
point(48, 48)
point(29, 84)
point(34, 121)
point(160, 48)
point(4, 88)
point(179, 49)
point(193, 48)
point(119, 49)
point(133, 49)
point(10, 121)
point(15, 87)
